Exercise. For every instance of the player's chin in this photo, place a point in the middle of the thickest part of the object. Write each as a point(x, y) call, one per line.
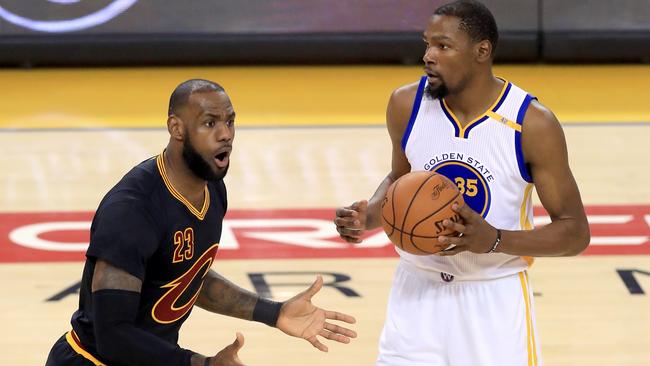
point(218, 172)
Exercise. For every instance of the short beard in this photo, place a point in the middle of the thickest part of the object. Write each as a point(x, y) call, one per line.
point(198, 166)
point(438, 93)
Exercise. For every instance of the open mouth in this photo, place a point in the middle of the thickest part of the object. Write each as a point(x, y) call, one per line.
point(222, 159)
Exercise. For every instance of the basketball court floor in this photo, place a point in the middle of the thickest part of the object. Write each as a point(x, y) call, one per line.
point(308, 140)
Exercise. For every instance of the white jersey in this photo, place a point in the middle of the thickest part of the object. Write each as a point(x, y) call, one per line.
point(485, 160)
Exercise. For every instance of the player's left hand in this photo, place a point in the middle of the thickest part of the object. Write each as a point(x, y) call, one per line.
point(475, 234)
point(300, 318)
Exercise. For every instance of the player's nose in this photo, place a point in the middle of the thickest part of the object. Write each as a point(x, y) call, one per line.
point(224, 132)
point(429, 56)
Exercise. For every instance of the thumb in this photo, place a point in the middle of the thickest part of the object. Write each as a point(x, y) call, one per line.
point(360, 206)
point(239, 342)
point(314, 288)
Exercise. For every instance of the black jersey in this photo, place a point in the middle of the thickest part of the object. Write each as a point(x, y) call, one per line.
point(147, 228)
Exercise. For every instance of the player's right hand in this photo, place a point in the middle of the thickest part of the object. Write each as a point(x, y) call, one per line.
point(228, 356)
point(350, 221)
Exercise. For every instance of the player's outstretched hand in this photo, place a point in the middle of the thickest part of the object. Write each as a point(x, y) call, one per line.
point(300, 318)
point(350, 221)
point(228, 356)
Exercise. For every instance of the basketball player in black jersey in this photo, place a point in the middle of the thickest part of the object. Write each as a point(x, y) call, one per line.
point(153, 240)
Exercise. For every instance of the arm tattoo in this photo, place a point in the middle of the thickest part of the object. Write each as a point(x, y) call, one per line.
point(221, 296)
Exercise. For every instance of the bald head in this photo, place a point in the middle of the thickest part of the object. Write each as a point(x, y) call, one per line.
point(184, 90)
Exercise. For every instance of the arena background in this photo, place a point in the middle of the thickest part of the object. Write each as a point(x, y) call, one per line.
point(84, 97)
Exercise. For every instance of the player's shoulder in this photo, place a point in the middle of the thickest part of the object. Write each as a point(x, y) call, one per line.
point(539, 118)
point(400, 106)
point(137, 186)
point(405, 94)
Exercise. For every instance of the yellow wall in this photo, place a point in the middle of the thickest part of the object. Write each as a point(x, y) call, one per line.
point(290, 95)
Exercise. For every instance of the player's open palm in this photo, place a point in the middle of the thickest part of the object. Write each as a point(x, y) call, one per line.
point(300, 318)
point(228, 356)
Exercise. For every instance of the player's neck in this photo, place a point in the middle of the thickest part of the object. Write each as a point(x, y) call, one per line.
point(182, 179)
point(475, 99)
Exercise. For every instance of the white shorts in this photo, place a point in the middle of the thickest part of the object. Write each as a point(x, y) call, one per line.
point(436, 320)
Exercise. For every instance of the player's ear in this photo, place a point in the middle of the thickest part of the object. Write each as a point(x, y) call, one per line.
point(175, 127)
point(483, 51)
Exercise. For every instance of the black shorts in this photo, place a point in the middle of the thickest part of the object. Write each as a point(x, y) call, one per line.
point(67, 351)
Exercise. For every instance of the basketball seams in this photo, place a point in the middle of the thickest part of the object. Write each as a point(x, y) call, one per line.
point(435, 212)
point(408, 203)
point(426, 218)
point(415, 194)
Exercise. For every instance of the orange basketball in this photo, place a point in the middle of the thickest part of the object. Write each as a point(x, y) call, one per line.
point(414, 208)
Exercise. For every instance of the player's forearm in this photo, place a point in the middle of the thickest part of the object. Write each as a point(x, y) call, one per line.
point(221, 296)
point(119, 341)
point(562, 237)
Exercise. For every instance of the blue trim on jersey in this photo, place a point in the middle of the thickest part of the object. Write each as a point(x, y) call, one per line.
point(450, 118)
point(470, 127)
point(503, 97)
point(523, 168)
point(496, 107)
point(414, 112)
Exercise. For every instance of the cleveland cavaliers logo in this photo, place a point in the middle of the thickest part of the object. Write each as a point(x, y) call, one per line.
point(99, 14)
point(166, 310)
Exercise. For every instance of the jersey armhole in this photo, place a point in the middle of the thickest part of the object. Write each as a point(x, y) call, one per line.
point(414, 111)
point(524, 169)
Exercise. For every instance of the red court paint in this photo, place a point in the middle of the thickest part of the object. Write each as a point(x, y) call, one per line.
point(289, 233)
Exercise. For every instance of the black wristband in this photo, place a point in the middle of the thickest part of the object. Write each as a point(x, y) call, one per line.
point(267, 311)
point(207, 361)
point(496, 242)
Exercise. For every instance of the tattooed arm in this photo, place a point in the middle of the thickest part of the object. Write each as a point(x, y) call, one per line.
point(221, 296)
point(297, 316)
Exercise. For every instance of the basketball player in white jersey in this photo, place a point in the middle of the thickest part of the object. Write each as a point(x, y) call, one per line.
point(472, 304)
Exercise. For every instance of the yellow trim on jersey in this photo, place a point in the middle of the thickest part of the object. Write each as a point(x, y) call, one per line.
point(504, 120)
point(461, 129)
point(206, 197)
point(530, 332)
point(77, 348)
point(524, 221)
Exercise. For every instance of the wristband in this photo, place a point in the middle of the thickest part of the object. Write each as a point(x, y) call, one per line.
point(267, 311)
point(496, 242)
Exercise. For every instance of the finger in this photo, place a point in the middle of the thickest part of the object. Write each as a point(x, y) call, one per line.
point(455, 226)
point(354, 233)
point(360, 206)
point(334, 337)
point(348, 222)
point(316, 343)
point(314, 288)
point(453, 241)
point(335, 315)
point(350, 239)
point(464, 210)
point(346, 212)
point(337, 329)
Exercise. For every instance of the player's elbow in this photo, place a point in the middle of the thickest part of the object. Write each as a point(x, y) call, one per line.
point(580, 239)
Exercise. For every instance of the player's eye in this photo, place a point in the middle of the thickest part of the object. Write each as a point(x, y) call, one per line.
point(210, 123)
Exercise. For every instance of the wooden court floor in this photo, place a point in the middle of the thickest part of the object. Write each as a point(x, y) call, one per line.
point(591, 310)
